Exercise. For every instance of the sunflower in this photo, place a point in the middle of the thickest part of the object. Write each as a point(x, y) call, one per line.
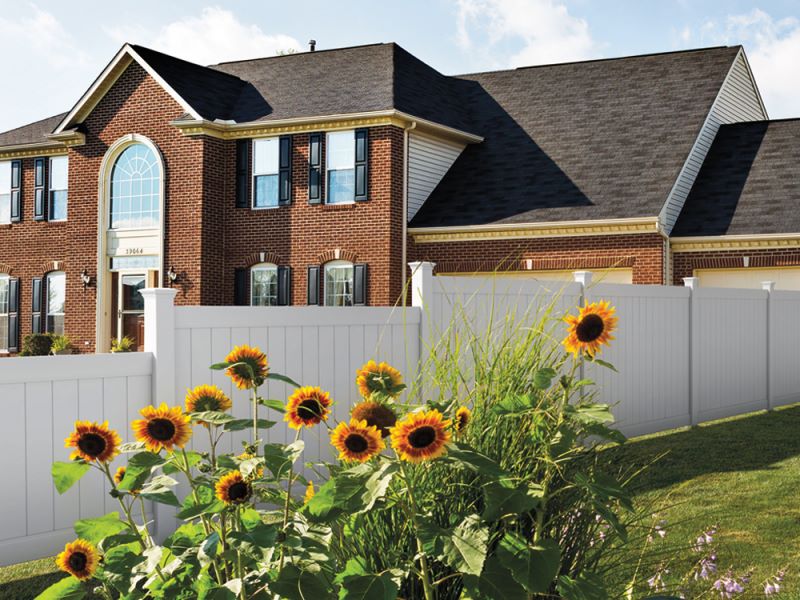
point(162, 427)
point(93, 441)
point(379, 377)
point(79, 558)
point(463, 417)
point(357, 440)
point(306, 407)
point(309, 493)
point(207, 398)
point(421, 436)
point(375, 413)
point(247, 456)
point(590, 329)
point(233, 489)
point(252, 372)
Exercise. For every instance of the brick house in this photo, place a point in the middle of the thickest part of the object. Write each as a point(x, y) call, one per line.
point(314, 178)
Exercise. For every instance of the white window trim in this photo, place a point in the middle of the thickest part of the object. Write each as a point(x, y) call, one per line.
point(337, 263)
point(264, 267)
point(124, 144)
point(327, 170)
point(5, 315)
point(253, 174)
point(9, 192)
point(50, 188)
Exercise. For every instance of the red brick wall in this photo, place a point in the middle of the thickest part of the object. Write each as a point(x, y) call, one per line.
point(684, 263)
point(642, 252)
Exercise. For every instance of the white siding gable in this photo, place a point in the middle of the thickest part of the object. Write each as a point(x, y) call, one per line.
point(738, 100)
point(429, 158)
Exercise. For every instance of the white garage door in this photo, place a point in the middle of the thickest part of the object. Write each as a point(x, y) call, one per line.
point(599, 276)
point(784, 278)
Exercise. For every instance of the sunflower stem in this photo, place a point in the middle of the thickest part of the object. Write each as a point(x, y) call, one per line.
point(213, 449)
point(254, 402)
point(287, 503)
point(427, 586)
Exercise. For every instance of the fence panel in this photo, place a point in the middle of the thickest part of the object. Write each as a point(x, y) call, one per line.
point(40, 399)
point(783, 351)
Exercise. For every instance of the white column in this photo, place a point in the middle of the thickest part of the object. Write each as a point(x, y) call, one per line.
point(693, 284)
point(769, 287)
point(584, 278)
point(422, 297)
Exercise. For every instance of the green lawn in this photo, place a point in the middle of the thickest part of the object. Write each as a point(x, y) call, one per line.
point(26, 580)
point(741, 474)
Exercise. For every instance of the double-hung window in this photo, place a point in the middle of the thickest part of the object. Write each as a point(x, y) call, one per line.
point(339, 283)
point(264, 285)
point(5, 192)
point(5, 299)
point(340, 153)
point(266, 168)
point(56, 290)
point(59, 170)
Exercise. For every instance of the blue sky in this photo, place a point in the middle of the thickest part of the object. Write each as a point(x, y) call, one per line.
point(52, 50)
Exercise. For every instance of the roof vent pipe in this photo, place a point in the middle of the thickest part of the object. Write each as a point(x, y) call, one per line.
point(312, 45)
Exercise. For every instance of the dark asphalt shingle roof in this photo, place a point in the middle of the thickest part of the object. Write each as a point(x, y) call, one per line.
point(748, 184)
point(32, 133)
point(582, 141)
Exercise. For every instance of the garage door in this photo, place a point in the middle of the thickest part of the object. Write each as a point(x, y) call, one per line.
point(606, 276)
point(785, 278)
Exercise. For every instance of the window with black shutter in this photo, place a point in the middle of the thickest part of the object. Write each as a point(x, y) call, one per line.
point(13, 315)
point(16, 191)
point(315, 168)
point(360, 285)
point(240, 292)
point(285, 170)
point(40, 189)
point(36, 305)
point(361, 161)
point(284, 286)
point(242, 173)
point(313, 296)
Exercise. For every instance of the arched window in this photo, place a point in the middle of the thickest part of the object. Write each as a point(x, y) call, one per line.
point(55, 299)
point(339, 283)
point(136, 189)
point(264, 285)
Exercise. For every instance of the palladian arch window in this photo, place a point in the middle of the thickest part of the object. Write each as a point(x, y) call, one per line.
point(136, 189)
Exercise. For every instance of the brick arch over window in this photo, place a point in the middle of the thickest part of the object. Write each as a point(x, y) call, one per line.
point(52, 265)
point(262, 257)
point(337, 254)
point(6, 269)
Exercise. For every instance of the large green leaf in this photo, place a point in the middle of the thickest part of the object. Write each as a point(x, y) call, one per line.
point(465, 548)
point(94, 530)
point(280, 458)
point(533, 567)
point(543, 378)
point(207, 503)
point(512, 404)
point(582, 587)
point(213, 417)
point(591, 413)
point(463, 455)
point(138, 470)
point(66, 474)
point(296, 584)
point(258, 542)
point(504, 499)
point(494, 583)
point(277, 405)
point(358, 584)
point(242, 424)
point(65, 589)
point(352, 491)
point(284, 379)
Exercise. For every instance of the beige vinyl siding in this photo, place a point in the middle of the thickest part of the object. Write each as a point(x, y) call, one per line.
point(621, 275)
point(429, 159)
point(737, 101)
point(785, 278)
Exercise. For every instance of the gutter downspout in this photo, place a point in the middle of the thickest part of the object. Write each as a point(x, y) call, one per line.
point(409, 127)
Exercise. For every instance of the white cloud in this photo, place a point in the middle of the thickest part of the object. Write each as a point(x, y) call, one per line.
point(773, 49)
point(216, 35)
point(524, 32)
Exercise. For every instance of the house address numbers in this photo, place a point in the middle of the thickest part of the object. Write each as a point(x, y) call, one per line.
point(133, 251)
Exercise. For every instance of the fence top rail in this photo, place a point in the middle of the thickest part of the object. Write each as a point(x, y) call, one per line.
point(788, 295)
point(504, 285)
point(33, 369)
point(196, 317)
point(598, 290)
point(730, 294)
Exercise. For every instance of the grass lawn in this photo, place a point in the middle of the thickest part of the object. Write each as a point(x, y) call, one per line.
point(741, 474)
point(27, 580)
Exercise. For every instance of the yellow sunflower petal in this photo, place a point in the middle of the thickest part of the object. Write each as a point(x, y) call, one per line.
point(79, 558)
point(421, 436)
point(306, 407)
point(357, 441)
point(378, 377)
point(243, 377)
point(93, 441)
point(233, 488)
point(162, 427)
point(591, 329)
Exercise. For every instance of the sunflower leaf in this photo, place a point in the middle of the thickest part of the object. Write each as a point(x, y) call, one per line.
point(494, 582)
point(68, 588)
point(296, 584)
point(465, 548)
point(591, 413)
point(583, 587)
point(242, 424)
point(139, 468)
point(283, 378)
point(219, 366)
point(533, 567)
point(67, 474)
point(358, 584)
point(279, 458)
point(503, 499)
point(278, 405)
point(605, 364)
point(463, 455)
point(212, 416)
point(543, 378)
point(95, 530)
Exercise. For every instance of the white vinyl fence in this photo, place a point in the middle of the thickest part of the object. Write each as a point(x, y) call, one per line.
point(684, 355)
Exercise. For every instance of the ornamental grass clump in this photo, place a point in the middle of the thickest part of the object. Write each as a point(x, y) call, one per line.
point(479, 482)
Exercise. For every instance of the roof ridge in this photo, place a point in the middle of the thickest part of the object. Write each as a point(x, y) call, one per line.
point(758, 121)
point(137, 47)
point(303, 53)
point(595, 60)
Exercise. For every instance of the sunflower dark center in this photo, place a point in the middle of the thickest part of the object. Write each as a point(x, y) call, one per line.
point(356, 443)
point(310, 409)
point(239, 492)
point(590, 328)
point(92, 444)
point(378, 415)
point(161, 430)
point(77, 561)
point(206, 403)
point(462, 421)
point(422, 437)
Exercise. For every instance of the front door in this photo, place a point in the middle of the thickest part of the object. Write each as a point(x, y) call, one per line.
point(130, 309)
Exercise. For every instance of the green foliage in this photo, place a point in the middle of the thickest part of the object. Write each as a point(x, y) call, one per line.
point(37, 344)
point(67, 474)
point(60, 344)
point(126, 344)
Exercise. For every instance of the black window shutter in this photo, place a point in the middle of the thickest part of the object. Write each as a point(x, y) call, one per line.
point(13, 315)
point(360, 285)
point(313, 296)
point(243, 173)
point(40, 189)
point(16, 191)
point(284, 286)
point(362, 156)
point(285, 170)
point(240, 287)
point(315, 168)
point(36, 305)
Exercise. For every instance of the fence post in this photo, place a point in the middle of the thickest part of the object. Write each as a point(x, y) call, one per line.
point(422, 297)
point(769, 287)
point(693, 283)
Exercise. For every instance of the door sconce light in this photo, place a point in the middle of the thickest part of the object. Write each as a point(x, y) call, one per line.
point(172, 275)
point(86, 278)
